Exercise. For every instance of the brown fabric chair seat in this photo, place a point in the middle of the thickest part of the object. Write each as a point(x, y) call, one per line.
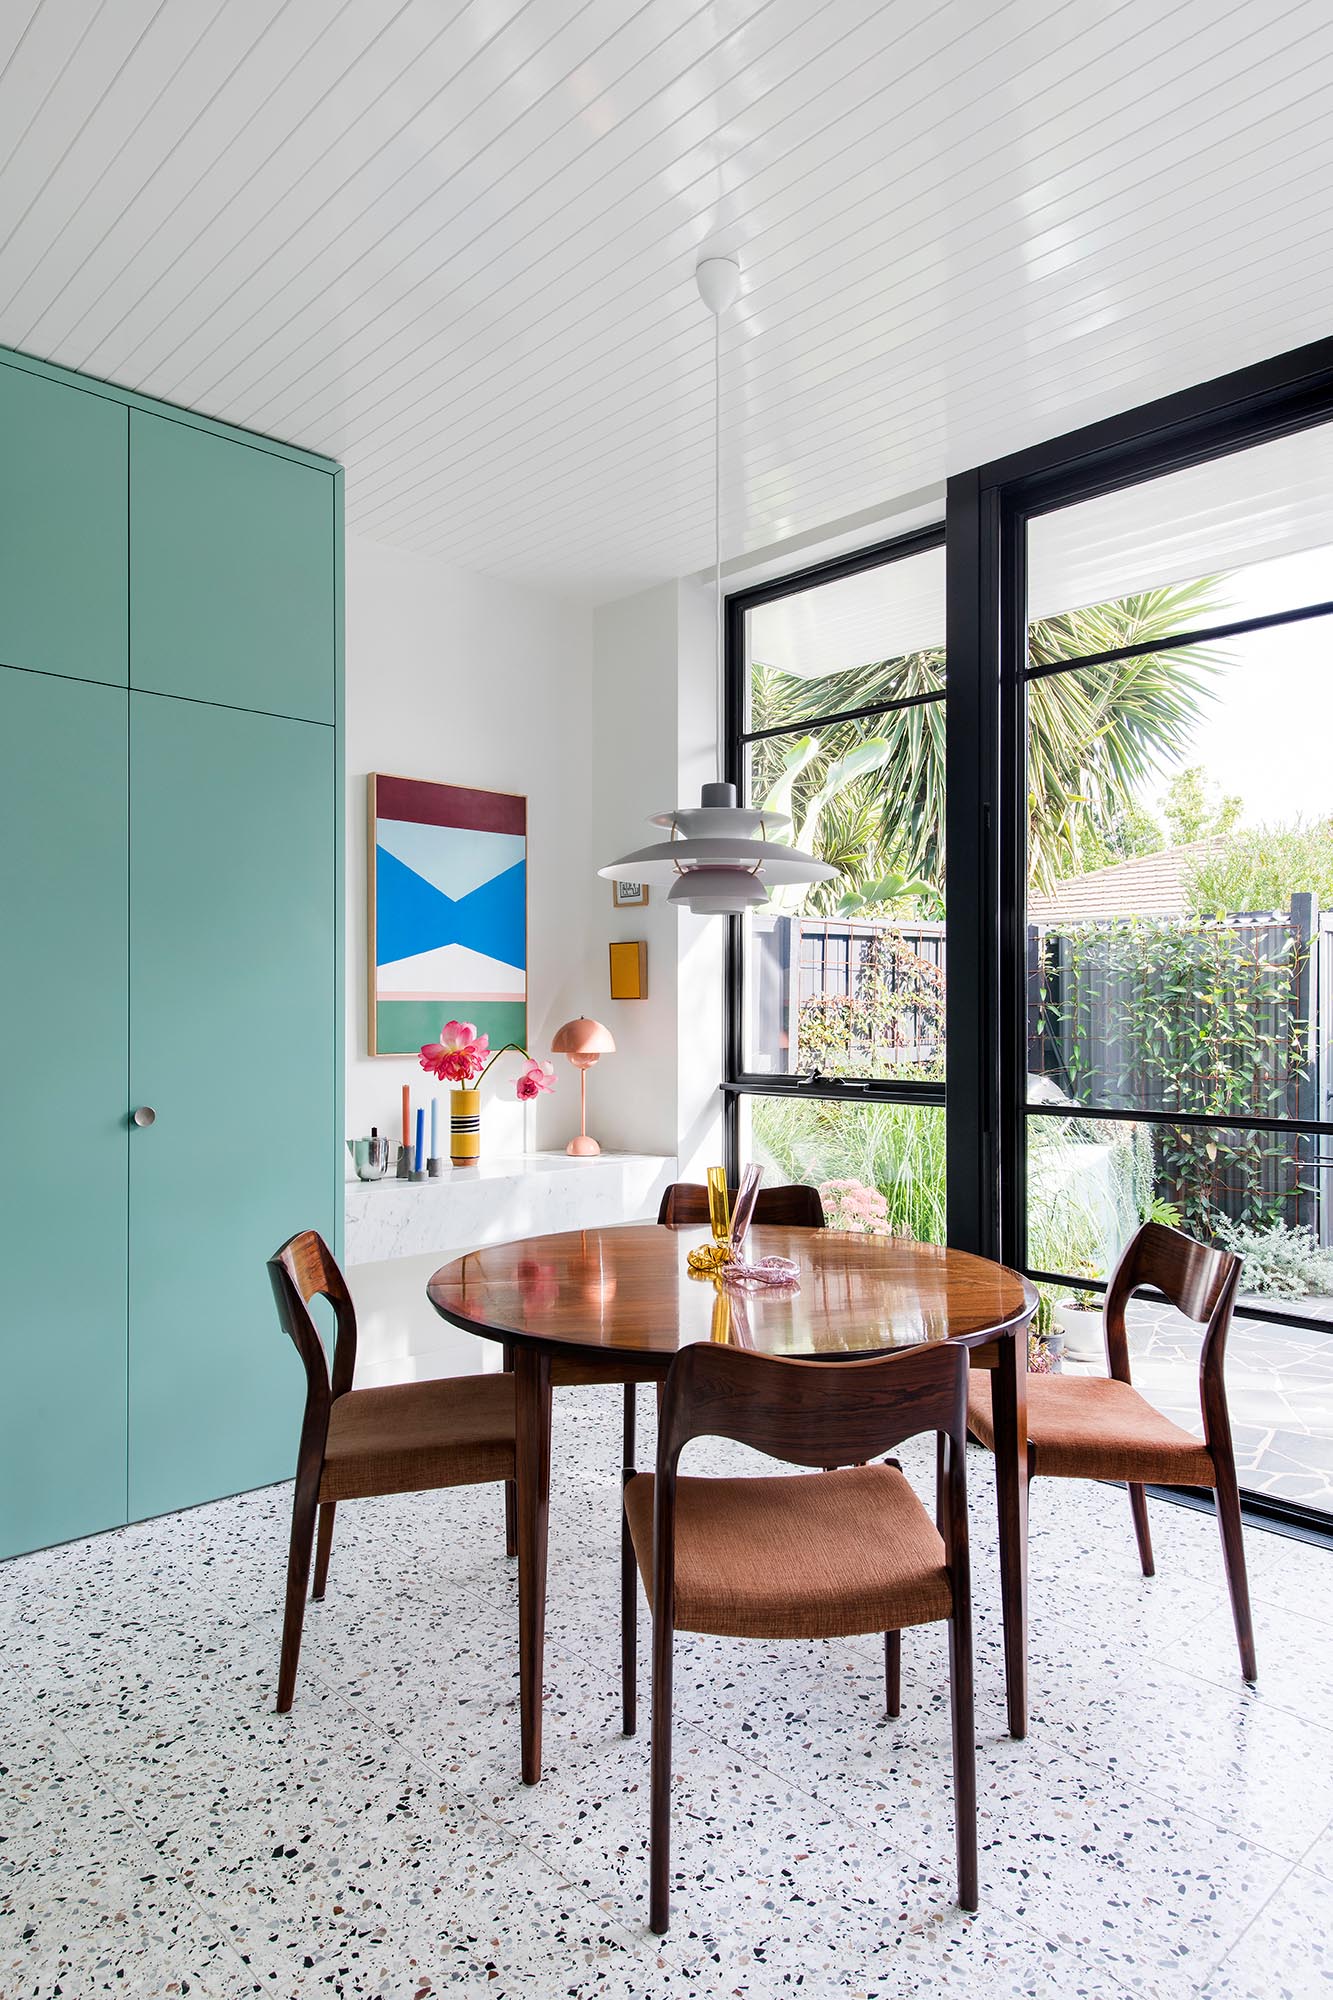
point(414, 1436)
point(1091, 1427)
point(812, 1556)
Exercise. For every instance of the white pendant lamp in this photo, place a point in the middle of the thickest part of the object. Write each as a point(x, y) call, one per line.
point(720, 859)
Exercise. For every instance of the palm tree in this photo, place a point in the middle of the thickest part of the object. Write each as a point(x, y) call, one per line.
point(870, 794)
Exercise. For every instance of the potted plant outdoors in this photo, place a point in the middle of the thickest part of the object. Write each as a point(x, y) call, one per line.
point(462, 1057)
point(1045, 1338)
point(1080, 1318)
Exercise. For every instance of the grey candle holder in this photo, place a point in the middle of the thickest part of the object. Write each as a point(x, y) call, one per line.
point(403, 1171)
point(414, 1175)
point(436, 1167)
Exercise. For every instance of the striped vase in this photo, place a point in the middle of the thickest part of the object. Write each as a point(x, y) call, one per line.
point(464, 1127)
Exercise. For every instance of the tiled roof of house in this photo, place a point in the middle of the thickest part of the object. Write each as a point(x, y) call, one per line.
point(1151, 885)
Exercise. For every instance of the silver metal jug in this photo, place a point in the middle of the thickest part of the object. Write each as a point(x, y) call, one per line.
point(370, 1157)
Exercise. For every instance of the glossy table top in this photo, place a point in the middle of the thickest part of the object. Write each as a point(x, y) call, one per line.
point(627, 1290)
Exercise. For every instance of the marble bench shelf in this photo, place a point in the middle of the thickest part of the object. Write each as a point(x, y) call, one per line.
point(398, 1232)
point(497, 1200)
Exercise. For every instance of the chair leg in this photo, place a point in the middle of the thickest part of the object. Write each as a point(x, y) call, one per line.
point(298, 1576)
point(1138, 1507)
point(893, 1672)
point(1233, 1554)
point(629, 1581)
point(659, 1853)
point(323, 1546)
point(964, 1756)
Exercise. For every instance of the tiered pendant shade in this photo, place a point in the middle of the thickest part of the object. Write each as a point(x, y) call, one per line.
point(721, 862)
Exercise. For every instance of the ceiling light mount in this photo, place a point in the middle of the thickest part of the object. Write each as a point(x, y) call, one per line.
point(719, 282)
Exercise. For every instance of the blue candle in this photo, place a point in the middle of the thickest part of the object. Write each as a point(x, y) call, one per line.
point(435, 1128)
point(420, 1164)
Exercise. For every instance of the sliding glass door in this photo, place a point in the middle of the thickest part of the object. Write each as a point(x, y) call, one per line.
point(1178, 928)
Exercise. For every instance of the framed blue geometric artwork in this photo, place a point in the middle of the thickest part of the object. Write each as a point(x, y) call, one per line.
point(448, 913)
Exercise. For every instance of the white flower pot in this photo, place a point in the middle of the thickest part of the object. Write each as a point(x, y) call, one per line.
point(1084, 1337)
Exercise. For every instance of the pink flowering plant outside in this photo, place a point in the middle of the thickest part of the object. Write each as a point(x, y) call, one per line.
point(852, 1205)
point(462, 1057)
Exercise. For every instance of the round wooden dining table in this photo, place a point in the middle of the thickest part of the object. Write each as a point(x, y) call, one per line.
point(619, 1303)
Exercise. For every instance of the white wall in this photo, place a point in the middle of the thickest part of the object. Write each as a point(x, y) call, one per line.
point(456, 677)
point(655, 710)
point(600, 719)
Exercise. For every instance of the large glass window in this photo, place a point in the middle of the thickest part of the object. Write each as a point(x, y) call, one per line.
point(837, 684)
point(1179, 916)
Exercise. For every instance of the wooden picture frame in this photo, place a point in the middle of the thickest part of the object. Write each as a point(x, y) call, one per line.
point(629, 895)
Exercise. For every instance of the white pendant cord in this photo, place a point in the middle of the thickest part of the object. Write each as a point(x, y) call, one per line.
point(718, 677)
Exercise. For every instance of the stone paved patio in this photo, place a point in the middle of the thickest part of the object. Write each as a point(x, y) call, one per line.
point(1280, 1387)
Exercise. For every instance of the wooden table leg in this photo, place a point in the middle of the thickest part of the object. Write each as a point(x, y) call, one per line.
point(532, 1396)
point(1009, 1390)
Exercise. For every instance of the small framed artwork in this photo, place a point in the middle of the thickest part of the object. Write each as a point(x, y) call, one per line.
point(629, 970)
point(629, 895)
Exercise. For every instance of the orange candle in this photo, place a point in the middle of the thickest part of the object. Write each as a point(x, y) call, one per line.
point(407, 1114)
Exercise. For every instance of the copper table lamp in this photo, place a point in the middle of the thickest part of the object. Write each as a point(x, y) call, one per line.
point(583, 1041)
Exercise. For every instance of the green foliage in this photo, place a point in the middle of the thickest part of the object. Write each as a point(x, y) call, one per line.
point(897, 1148)
point(1132, 833)
point(898, 1002)
point(1194, 809)
point(1161, 1014)
point(882, 895)
point(1095, 737)
point(1277, 1262)
point(1199, 1016)
point(1264, 867)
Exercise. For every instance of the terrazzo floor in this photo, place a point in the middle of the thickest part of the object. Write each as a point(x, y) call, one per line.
point(1162, 1832)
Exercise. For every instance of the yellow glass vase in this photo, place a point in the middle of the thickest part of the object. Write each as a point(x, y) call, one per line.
point(464, 1127)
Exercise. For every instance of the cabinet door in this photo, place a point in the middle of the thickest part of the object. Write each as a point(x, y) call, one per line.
point(64, 1030)
point(234, 988)
point(64, 510)
point(231, 570)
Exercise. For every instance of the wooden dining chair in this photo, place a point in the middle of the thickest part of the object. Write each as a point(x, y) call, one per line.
point(682, 1204)
point(1101, 1427)
point(816, 1557)
point(685, 1204)
point(408, 1438)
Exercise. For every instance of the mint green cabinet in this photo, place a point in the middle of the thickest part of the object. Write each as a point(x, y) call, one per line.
point(232, 572)
point(170, 876)
point(64, 1032)
point(64, 512)
point(234, 985)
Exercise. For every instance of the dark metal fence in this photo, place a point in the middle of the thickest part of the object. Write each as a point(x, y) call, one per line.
point(817, 963)
point(1207, 1017)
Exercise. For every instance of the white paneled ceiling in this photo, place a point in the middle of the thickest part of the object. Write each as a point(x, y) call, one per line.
point(453, 244)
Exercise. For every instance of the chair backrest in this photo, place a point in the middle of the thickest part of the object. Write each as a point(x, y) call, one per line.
point(303, 1269)
point(686, 1203)
point(818, 1414)
point(1199, 1281)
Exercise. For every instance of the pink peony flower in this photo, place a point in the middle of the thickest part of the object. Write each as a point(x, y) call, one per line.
point(459, 1055)
point(536, 1078)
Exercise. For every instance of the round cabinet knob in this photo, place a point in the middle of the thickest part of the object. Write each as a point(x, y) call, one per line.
point(144, 1114)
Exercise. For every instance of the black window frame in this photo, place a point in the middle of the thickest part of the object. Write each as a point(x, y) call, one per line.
point(987, 513)
point(737, 1082)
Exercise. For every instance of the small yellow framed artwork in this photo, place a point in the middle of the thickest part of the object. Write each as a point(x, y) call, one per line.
point(629, 970)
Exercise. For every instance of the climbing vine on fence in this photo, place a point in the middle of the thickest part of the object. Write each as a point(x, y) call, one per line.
point(896, 1006)
point(1200, 1015)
